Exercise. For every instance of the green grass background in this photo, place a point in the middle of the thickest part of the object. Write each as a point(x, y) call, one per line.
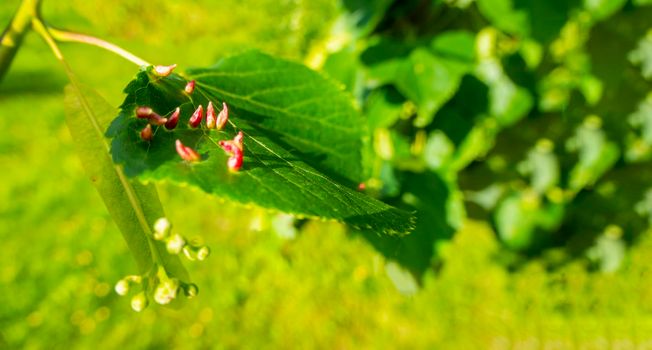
point(60, 253)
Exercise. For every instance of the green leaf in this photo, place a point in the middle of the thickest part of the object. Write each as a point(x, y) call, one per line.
point(434, 199)
point(292, 104)
point(363, 16)
point(134, 207)
point(519, 217)
point(539, 19)
point(287, 114)
point(343, 67)
point(596, 154)
point(384, 107)
point(601, 9)
point(642, 56)
point(429, 81)
point(383, 58)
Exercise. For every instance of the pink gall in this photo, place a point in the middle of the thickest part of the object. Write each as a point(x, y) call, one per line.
point(146, 133)
point(190, 87)
point(223, 117)
point(143, 112)
point(210, 116)
point(164, 71)
point(173, 120)
point(197, 116)
point(234, 148)
point(186, 153)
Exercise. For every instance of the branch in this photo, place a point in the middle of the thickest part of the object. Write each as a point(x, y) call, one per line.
point(13, 35)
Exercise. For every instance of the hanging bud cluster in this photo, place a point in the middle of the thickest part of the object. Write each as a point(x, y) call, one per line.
point(158, 284)
point(168, 288)
point(176, 243)
point(214, 120)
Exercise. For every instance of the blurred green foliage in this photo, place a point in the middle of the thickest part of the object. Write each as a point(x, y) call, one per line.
point(540, 129)
point(530, 115)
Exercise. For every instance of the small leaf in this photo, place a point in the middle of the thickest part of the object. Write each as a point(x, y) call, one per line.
point(601, 9)
point(539, 19)
point(133, 207)
point(429, 81)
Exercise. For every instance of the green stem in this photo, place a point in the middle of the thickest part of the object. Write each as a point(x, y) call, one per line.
point(65, 36)
point(13, 35)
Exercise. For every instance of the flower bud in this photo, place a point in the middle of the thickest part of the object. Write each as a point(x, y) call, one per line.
point(175, 244)
point(223, 117)
point(203, 253)
point(190, 290)
point(196, 117)
point(173, 120)
point(190, 87)
point(122, 287)
point(210, 116)
point(139, 302)
point(146, 133)
point(164, 71)
point(186, 153)
point(161, 229)
point(166, 291)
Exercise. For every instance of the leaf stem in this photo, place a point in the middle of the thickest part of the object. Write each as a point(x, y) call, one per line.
point(66, 36)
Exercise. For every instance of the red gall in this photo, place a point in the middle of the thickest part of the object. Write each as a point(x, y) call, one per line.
point(144, 112)
point(149, 114)
point(173, 120)
point(234, 148)
point(223, 117)
point(210, 116)
point(164, 71)
point(157, 120)
point(190, 87)
point(146, 133)
point(238, 140)
point(186, 153)
point(196, 117)
point(235, 161)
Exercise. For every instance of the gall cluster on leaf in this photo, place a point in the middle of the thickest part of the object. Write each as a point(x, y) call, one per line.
point(214, 120)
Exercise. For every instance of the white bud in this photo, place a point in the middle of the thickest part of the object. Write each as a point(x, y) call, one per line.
point(175, 244)
point(203, 253)
point(166, 291)
point(190, 290)
point(139, 302)
point(122, 287)
point(161, 228)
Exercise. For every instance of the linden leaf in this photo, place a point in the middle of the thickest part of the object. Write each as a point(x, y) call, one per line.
point(300, 134)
